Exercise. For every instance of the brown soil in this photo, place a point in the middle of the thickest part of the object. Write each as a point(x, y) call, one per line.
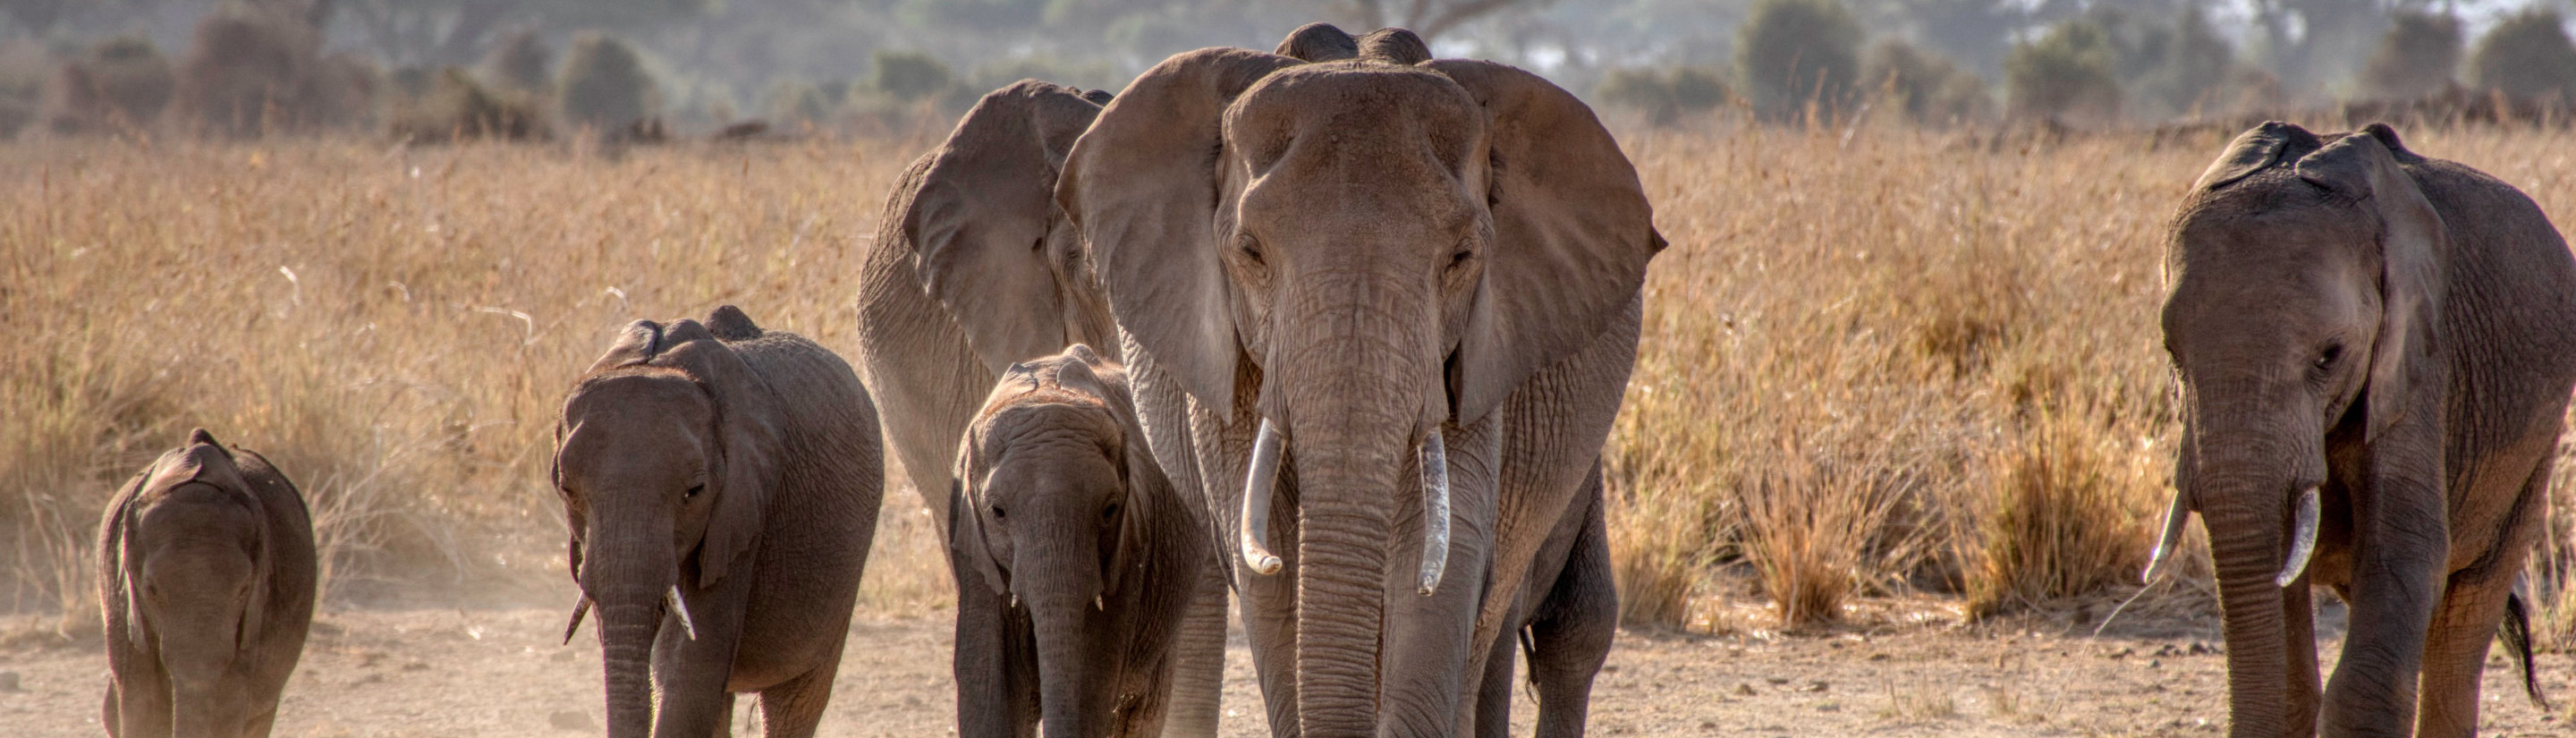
point(504, 672)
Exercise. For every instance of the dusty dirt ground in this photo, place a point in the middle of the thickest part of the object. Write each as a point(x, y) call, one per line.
point(504, 672)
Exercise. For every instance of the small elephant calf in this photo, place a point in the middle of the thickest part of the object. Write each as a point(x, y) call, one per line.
point(1075, 559)
point(206, 574)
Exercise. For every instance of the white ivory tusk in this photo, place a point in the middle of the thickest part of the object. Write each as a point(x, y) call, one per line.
point(1257, 486)
point(2303, 539)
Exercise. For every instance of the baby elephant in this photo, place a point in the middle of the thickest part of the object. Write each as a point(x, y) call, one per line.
point(206, 574)
point(720, 482)
point(1074, 557)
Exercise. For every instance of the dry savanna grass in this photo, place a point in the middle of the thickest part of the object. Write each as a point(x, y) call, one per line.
point(1878, 362)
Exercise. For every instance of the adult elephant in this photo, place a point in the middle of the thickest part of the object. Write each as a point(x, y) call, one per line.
point(2376, 350)
point(1380, 312)
point(974, 268)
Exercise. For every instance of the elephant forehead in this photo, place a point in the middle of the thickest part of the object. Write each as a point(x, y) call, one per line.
point(1360, 108)
point(195, 512)
point(1051, 418)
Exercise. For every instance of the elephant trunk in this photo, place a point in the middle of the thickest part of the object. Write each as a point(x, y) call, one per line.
point(1352, 446)
point(631, 582)
point(2246, 520)
point(217, 710)
point(1061, 587)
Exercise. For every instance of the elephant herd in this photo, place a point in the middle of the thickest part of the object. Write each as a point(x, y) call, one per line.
point(1341, 330)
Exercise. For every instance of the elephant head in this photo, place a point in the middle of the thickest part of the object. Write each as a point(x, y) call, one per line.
point(990, 244)
point(2304, 286)
point(666, 457)
point(1378, 247)
point(193, 555)
point(1056, 499)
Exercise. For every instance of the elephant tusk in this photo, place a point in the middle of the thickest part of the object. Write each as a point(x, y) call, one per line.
point(2166, 542)
point(681, 606)
point(1435, 509)
point(2303, 539)
point(1256, 500)
point(580, 607)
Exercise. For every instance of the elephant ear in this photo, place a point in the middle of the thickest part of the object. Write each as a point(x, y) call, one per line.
point(636, 343)
point(1318, 42)
point(978, 224)
point(2365, 168)
point(1142, 184)
point(966, 536)
point(118, 547)
point(748, 440)
point(2254, 150)
point(1572, 234)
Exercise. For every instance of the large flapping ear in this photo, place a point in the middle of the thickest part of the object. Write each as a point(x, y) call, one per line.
point(639, 341)
point(1143, 186)
point(2365, 168)
point(1572, 234)
point(979, 222)
point(2252, 151)
point(1318, 42)
point(748, 440)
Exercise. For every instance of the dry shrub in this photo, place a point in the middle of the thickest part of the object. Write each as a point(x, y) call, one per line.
point(456, 107)
point(117, 84)
point(1861, 354)
point(2065, 517)
point(395, 330)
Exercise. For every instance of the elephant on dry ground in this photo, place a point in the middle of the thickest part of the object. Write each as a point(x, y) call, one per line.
point(1380, 311)
point(2376, 350)
point(1080, 555)
point(206, 577)
point(721, 484)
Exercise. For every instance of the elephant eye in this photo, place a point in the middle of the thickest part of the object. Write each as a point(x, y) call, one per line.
point(2326, 359)
point(997, 512)
point(696, 490)
point(1251, 249)
point(1110, 512)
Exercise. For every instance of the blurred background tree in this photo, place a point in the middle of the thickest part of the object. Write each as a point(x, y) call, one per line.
point(1794, 52)
point(1945, 60)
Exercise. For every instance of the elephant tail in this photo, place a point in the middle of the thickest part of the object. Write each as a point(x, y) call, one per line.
point(2517, 639)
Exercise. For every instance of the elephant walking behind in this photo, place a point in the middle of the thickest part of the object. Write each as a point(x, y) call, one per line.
point(206, 580)
point(721, 483)
point(2376, 350)
point(1075, 559)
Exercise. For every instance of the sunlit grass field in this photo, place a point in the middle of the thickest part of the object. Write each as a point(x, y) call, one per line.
point(1876, 362)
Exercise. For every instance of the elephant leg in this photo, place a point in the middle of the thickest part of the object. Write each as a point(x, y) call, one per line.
point(142, 703)
point(1571, 632)
point(2400, 550)
point(1493, 708)
point(692, 675)
point(990, 702)
point(792, 709)
point(2299, 644)
point(1429, 648)
point(2464, 624)
point(1270, 619)
point(1198, 660)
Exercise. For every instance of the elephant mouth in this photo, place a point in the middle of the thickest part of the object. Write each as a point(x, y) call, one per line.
point(1254, 530)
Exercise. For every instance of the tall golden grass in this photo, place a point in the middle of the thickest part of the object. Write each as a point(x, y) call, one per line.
point(1875, 361)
